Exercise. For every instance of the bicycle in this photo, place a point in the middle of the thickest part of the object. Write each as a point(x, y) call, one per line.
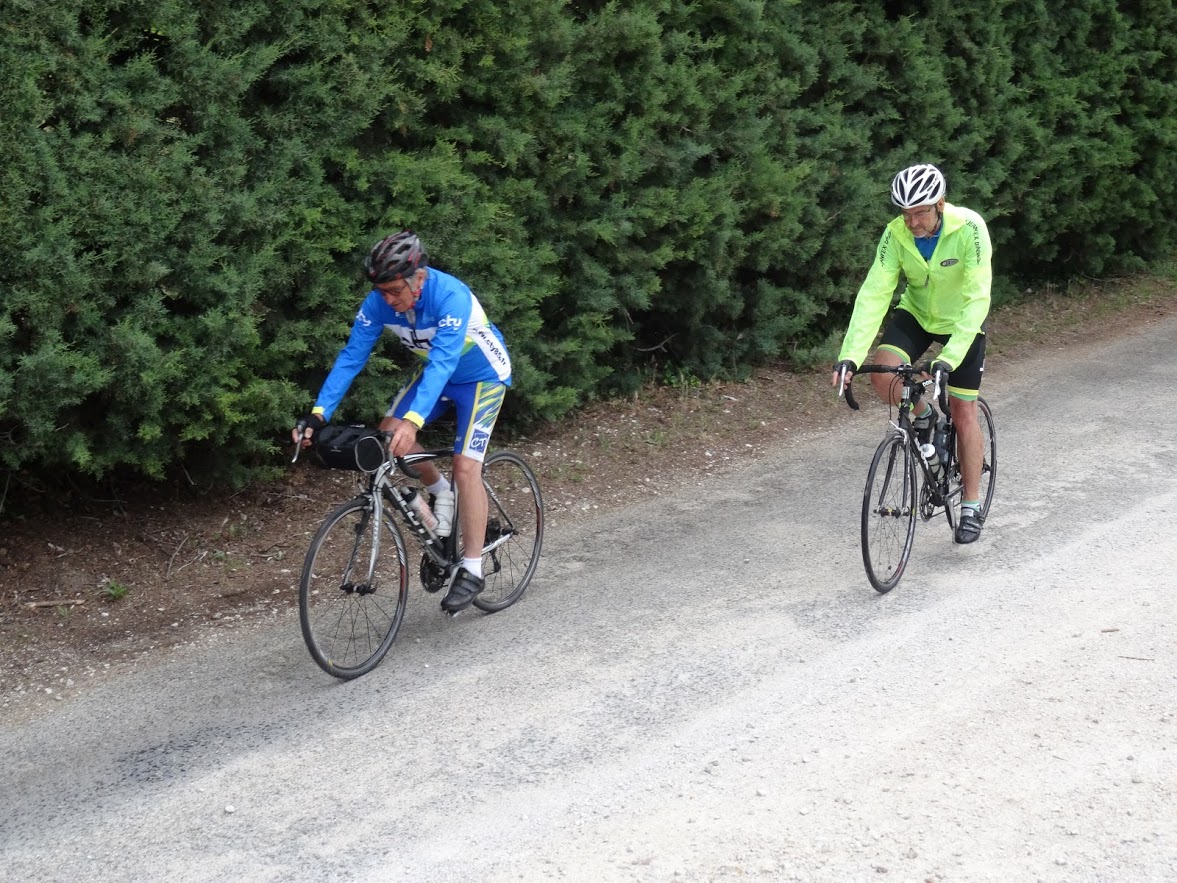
point(890, 501)
point(352, 598)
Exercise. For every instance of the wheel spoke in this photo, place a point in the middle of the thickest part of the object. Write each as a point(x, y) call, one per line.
point(988, 467)
point(514, 530)
point(888, 514)
point(349, 626)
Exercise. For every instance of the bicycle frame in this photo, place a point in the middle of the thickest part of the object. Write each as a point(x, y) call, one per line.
point(382, 487)
point(442, 551)
point(939, 484)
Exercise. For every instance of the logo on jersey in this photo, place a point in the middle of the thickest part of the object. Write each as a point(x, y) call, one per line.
point(362, 319)
point(950, 262)
point(479, 440)
point(489, 344)
point(449, 322)
point(972, 225)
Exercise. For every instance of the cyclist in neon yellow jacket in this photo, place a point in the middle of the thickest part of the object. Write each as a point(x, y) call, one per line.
point(945, 255)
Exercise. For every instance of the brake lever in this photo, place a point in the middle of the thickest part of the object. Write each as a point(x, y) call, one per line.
point(301, 426)
point(844, 390)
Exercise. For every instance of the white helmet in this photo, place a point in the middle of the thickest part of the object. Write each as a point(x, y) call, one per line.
point(918, 185)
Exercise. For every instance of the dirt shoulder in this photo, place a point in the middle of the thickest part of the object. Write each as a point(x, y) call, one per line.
point(92, 595)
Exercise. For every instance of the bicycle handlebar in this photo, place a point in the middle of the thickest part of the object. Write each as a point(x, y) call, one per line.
point(405, 463)
point(905, 371)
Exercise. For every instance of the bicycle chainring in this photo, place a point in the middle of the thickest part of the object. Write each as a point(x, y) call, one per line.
point(931, 501)
point(433, 577)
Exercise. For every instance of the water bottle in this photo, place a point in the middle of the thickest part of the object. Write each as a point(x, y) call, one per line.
point(443, 508)
point(421, 508)
point(928, 452)
point(940, 440)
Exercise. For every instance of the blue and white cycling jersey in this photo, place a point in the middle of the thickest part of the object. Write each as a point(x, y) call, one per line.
point(447, 329)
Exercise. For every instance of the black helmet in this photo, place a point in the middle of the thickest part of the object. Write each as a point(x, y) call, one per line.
point(395, 257)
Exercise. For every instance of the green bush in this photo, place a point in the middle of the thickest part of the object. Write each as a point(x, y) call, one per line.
point(639, 190)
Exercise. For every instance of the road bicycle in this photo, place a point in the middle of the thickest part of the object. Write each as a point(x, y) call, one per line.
point(895, 493)
point(355, 581)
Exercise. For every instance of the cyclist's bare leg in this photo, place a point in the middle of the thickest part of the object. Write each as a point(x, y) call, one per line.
point(887, 386)
point(429, 472)
point(474, 504)
point(970, 445)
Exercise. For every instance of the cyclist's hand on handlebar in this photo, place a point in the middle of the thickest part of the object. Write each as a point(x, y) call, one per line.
point(404, 436)
point(306, 427)
point(931, 367)
point(939, 371)
point(845, 369)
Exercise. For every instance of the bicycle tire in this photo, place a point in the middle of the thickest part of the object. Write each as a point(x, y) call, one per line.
point(988, 467)
point(889, 505)
point(349, 624)
point(515, 509)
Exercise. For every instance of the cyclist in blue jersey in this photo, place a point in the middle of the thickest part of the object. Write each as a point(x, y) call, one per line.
point(464, 365)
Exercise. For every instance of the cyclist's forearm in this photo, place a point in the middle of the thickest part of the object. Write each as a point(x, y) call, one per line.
point(869, 310)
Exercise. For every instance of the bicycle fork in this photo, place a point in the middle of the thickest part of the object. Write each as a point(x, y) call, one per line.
point(348, 584)
point(908, 492)
point(376, 514)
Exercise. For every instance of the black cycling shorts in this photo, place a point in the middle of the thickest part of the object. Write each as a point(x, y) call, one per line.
point(905, 337)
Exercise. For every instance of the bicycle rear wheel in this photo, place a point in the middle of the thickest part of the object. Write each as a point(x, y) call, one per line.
point(889, 507)
point(351, 600)
point(514, 530)
point(988, 467)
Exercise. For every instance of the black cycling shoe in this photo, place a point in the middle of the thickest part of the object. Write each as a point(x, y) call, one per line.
point(463, 590)
point(968, 529)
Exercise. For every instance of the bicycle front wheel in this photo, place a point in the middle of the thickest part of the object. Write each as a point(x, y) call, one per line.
point(889, 507)
point(514, 530)
point(988, 467)
point(353, 592)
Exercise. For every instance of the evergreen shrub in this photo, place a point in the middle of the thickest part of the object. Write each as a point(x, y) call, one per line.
point(634, 190)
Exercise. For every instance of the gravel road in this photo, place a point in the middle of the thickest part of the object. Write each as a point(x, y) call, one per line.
point(704, 687)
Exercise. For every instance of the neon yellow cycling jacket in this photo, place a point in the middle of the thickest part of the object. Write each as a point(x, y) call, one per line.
point(947, 295)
